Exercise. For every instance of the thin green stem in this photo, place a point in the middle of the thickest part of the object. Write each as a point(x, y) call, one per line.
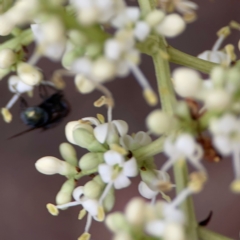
point(149, 150)
point(187, 60)
point(85, 173)
point(206, 234)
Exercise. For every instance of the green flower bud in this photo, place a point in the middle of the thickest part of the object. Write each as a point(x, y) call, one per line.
point(85, 139)
point(68, 153)
point(70, 56)
point(90, 161)
point(92, 190)
point(65, 193)
point(99, 180)
point(218, 76)
point(148, 175)
point(109, 201)
point(182, 110)
point(233, 76)
point(117, 222)
point(77, 38)
point(93, 50)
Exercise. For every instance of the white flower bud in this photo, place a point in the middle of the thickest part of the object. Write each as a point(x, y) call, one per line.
point(155, 17)
point(218, 75)
point(6, 25)
point(173, 231)
point(133, 215)
point(122, 235)
point(171, 26)
point(187, 82)
point(141, 31)
point(88, 16)
point(103, 69)
point(51, 165)
point(7, 58)
point(29, 74)
point(65, 193)
point(83, 84)
point(217, 100)
point(71, 126)
point(159, 122)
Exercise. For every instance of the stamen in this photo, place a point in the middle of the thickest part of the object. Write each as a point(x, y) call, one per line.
point(150, 97)
point(7, 116)
point(181, 197)
point(82, 214)
point(118, 149)
point(153, 200)
point(101, 118)
point(84, 236)
point(168, 164)
point(195, 162)
point(218, 43)
point(70, 204)
point(88, 223)
point(236, 162)
point(235, 25)
point(230, 52)
point(105, 193)
point(52, 209)
point(12, 101)
point(33, 60)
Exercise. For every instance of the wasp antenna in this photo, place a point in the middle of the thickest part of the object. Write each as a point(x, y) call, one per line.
point(206, 221)
point(21, 133)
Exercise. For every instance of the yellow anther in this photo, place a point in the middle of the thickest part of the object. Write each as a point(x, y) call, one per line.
point(150, 97)
point(84, 236)
point(230, 52)
point(164, 186)
point(234, 25)
point(235, 186)
point(225, 31)
point(190, 17)
point(7, 116)
point(118, 149)
point(103, 101)
point(82, 214)
point(30, 93)
point(101, 214)
point(198, 176)
point(52, 209)
point(58, 81)
point(101, 118)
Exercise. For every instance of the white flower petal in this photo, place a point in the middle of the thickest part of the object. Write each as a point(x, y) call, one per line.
point(142, 138)
point(130, 168)
point(77, 193)
point(155, 228)
point(91, 206)
point(133, 13)
point(173, 214)
point(141, 31)
point(186, 144)
point(113, 49)
point(223, 144)
point(121, 181)
point(101, 132)
point(169, 148)
point(163, 176)
point(83, 66)
point(105, 172)
point(127, 142)
point(112, 158)
point(122, 127)
point(145, 191)
point(92, 120)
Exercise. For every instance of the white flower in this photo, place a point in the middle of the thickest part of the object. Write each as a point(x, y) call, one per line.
point(117, 170)
point(50, 38)
point(108, 132)
point(15, 85)
point(184, 147)
point(137, 140)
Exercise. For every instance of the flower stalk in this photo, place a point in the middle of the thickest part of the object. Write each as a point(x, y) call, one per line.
point(206, 234)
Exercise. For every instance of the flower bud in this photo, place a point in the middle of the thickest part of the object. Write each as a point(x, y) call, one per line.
point(92, 190)
point(218, 76)
point(155, 17)
point(187, 82)
point(71, 126)
point(51, 165)
point(90, 161)
point(7, 58)
point(109, 200)
point(68, 153)
point(65, 193)
point(83, 84)
point(171, 26)
point(116, 222)
point(6, 25)
point(103, 69)
point(133, 215)
point(88, 16)
point(122, 235)
point(86, 139)
point(217, 100)
point(174, 231)
point(29, 74)
point(159, 122)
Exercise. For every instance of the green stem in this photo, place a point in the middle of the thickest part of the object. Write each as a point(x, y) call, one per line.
point(187, 60)
point(168, 101)
point(206, 234)
point(149, 150)
point(180, 170)
point(85, 173)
